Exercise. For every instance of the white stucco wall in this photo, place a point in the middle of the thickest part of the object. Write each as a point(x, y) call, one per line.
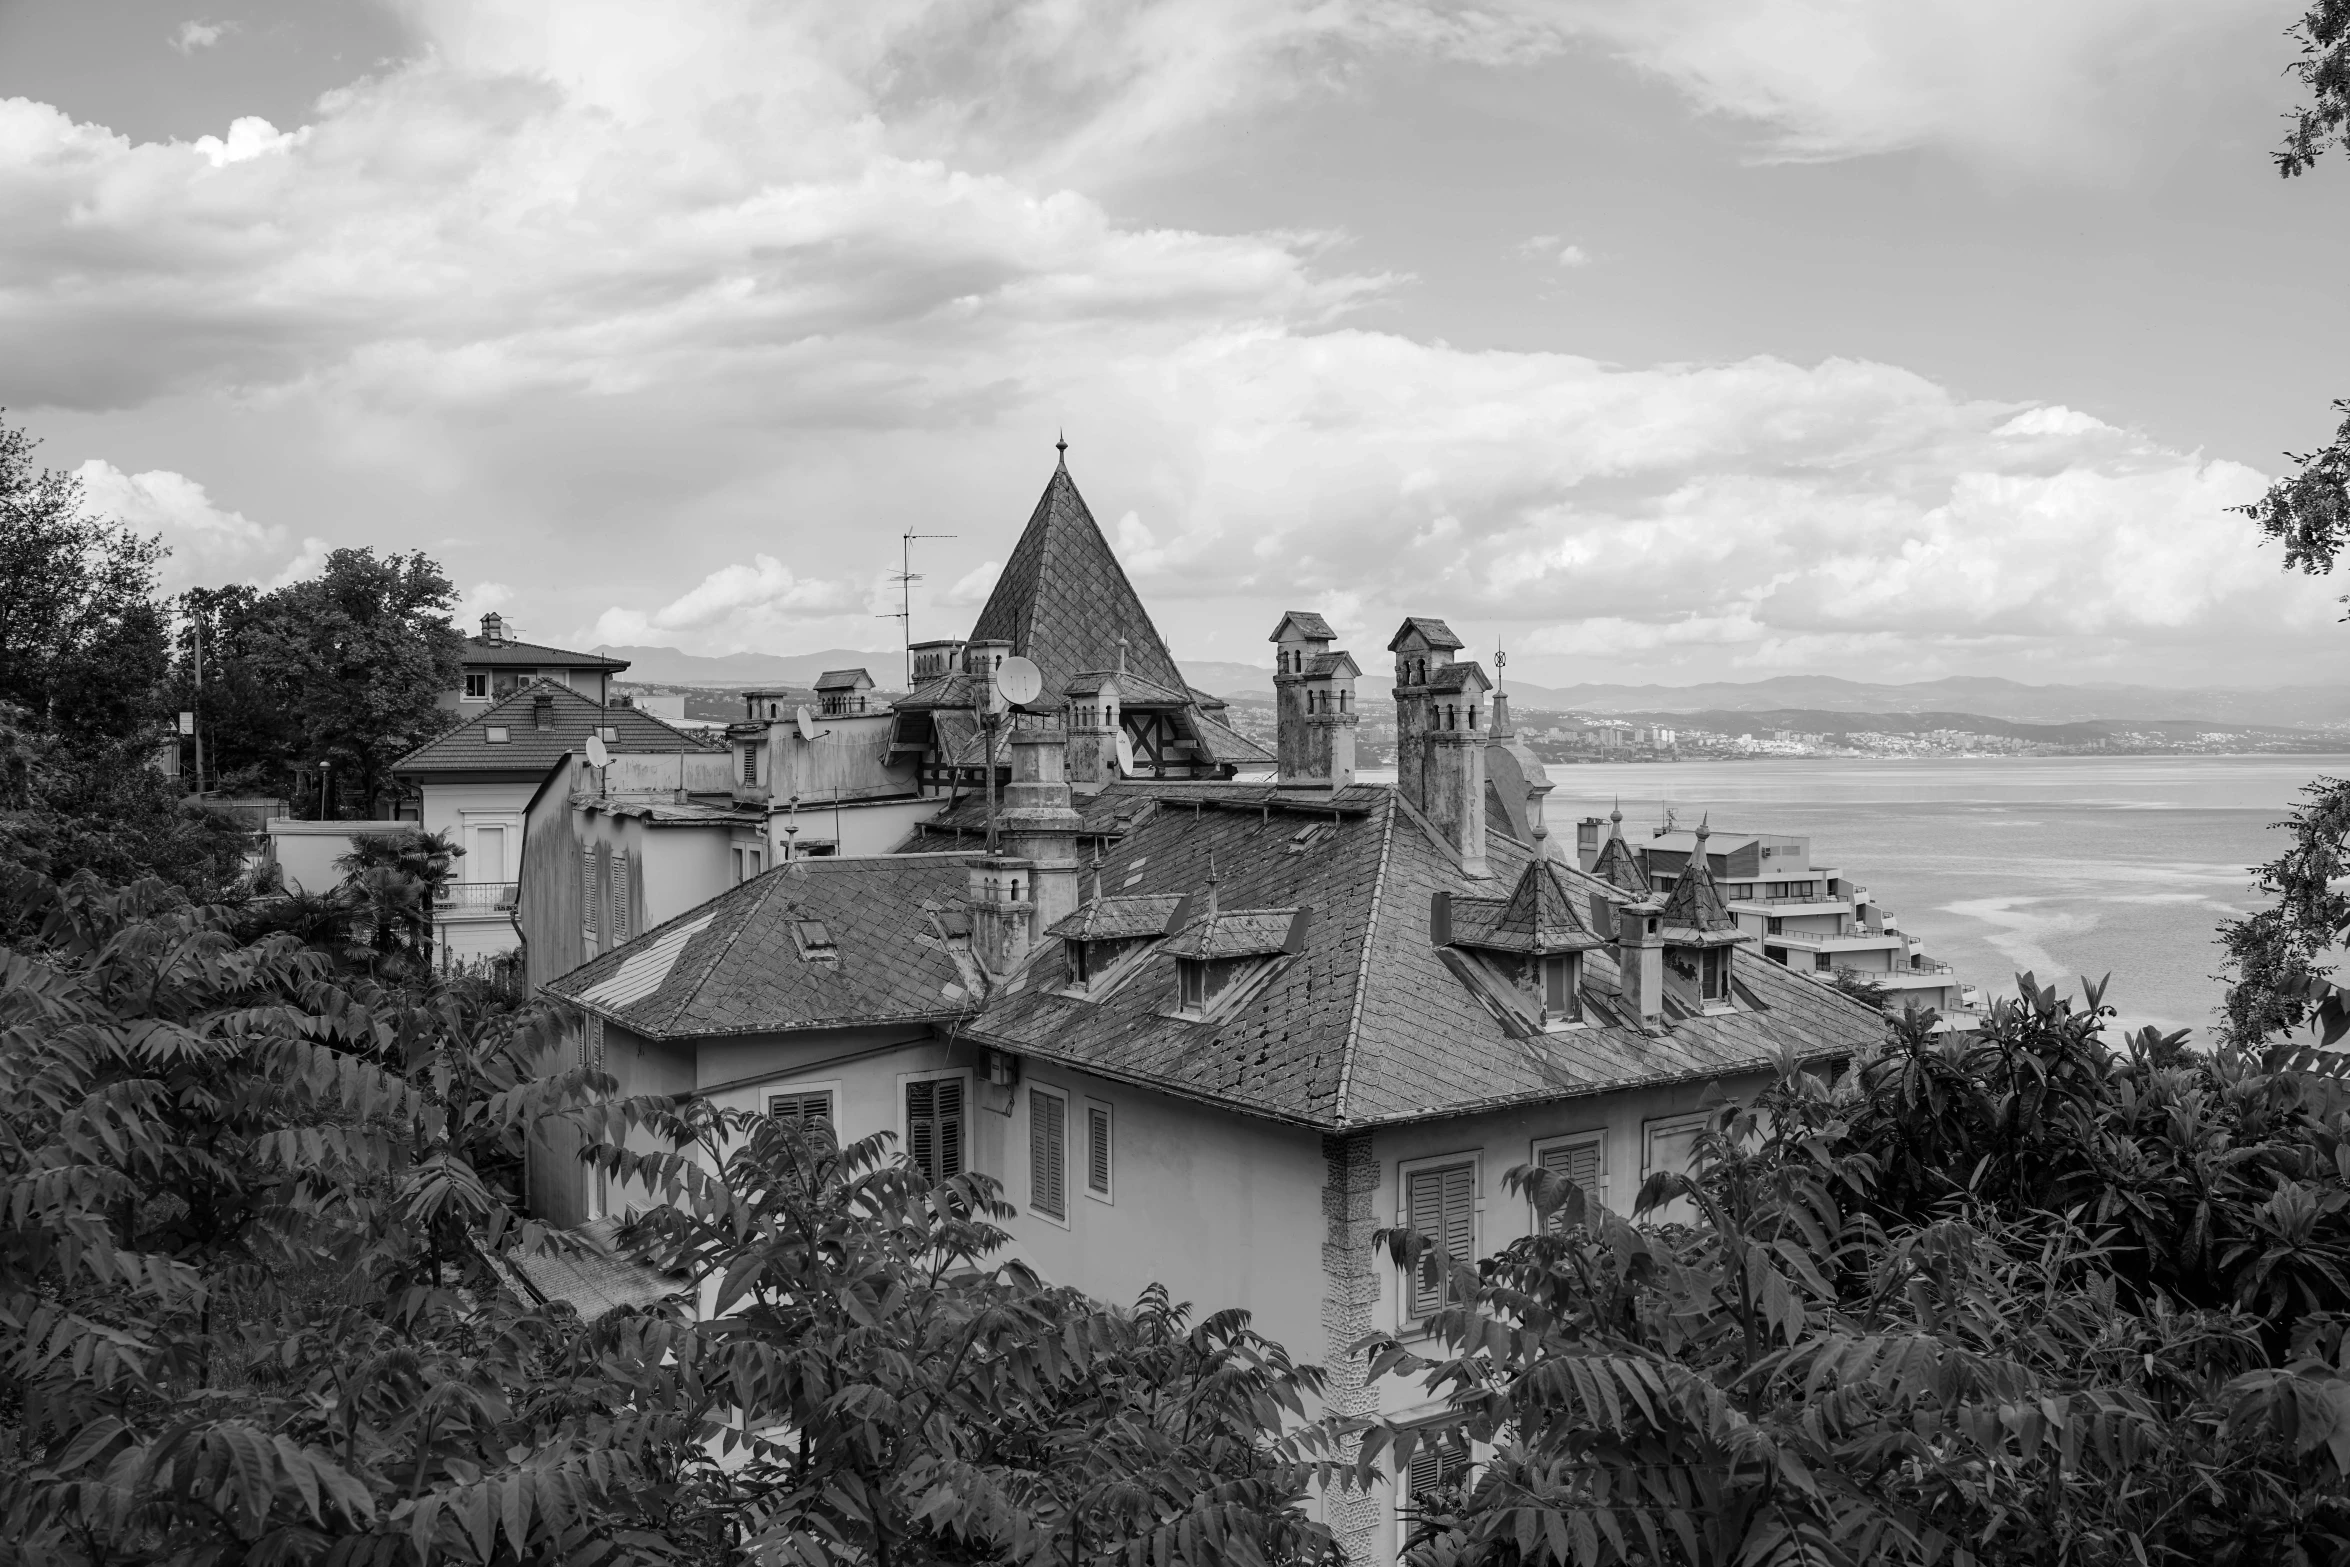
point(305, 852)
point(458, 809)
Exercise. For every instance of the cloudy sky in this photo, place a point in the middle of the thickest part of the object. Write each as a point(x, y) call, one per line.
point(1653, 339)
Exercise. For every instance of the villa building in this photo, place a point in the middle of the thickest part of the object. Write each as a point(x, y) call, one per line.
point(1207, 1030)
point(496, 666)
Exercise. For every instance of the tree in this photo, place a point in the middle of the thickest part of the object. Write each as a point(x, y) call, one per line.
point(2017, 1297)
point(347, 669)
point(2324, 68)
point(81, 637)
point(901, 1399)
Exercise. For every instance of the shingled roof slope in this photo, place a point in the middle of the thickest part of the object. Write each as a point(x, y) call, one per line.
point(532, 750)
point(1369, 1023)
point(745, 972)
point(1063, 600)
point(505, 654)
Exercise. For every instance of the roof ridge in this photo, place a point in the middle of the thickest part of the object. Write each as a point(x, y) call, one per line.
point(1354, 1021)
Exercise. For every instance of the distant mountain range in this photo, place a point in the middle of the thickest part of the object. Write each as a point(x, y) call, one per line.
point(1990, 696)
point(666, 666)
point(1815, 695)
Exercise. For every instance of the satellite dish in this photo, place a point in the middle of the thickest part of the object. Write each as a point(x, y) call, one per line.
point(1125, 754)
point(805, 721)
point(597, 755)
point(1019, 680)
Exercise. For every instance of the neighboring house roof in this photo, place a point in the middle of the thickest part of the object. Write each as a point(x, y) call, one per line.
point(844, 680)
point(594, 1280)
point(747, 965)
point(1322, 666)
point(536, 656)
point(529, 750)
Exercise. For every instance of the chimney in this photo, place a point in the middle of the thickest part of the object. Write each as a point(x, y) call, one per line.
point(1640, 960)
point(542, 710)
point(1440, 736)
point(493, 628)
point(1038, 825)
point(1314, 699)
point(1092, 707)
point(999, 892)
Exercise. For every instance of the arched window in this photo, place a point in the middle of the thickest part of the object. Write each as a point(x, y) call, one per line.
point(1472, 715)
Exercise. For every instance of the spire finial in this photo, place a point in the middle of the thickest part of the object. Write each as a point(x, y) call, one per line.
point(1061, 445)
point(1704, 828)
point(1097, 870)
point(1617, 815)
point(1501, 662)
point(1121, 653)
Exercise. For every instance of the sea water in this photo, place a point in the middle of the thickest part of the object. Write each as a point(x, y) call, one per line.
point(2063, 866)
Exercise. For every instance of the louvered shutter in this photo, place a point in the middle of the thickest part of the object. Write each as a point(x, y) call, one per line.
point(1097, 1149)
point(950, 1127)
point(810, 1109)
point(1443, 1208)
point(1435, 1465)
point(1578, 1162)
point(934, 1127)
point(1048, 1153)
point(587, 897)
point(922, 1128)
point(619, 896)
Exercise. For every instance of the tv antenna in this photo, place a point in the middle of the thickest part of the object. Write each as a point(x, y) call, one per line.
point(906, 577)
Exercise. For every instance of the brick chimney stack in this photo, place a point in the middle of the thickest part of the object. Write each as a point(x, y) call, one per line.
point(1640, 959)
point(493, 628)
point(1314, 700)
point(1440, 735)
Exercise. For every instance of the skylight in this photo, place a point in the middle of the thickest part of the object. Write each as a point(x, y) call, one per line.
point(498, 734)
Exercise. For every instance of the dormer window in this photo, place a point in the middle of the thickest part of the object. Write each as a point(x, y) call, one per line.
point(1562, 985)
point(1191, 982)
point(1713, 975)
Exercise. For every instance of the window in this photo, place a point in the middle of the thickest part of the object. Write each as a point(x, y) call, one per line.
point(1559, 990)
point(1822, 961)
point(1713, 974)
point(497, 734)
point(934, 1127)
point(1438, 1464)
point(1581, 1158)
point(1097, 1150)
point(489, 854)
point(1440, 1202)
point(477, 687)
point(807, 1110)
point(1192, 982)
point(738, 865)
point(751, 765)
point(1668, 1144)
point(587, 897)
point(619, 897)
point(1048, 1153)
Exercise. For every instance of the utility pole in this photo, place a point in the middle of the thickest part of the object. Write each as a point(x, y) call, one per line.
point(906, 578)
point(196, 701)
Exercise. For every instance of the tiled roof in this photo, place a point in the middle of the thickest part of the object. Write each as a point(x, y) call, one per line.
point(1237, 933)
point(745, 971)
point(535, 656)
point(595, 1280)
point(1540, 915)
point(532, 750)
point(1455, 677)
point(1432, 631)
point(1309, 625)
point(1063, 601)
point(1369, 1023)
point(1120, 919)
point(1619, 867)
point(1225, 744)
point(843, 680)
point(1694, 910)
point(1323, 665)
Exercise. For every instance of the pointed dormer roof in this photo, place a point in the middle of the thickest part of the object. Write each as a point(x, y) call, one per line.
point(1695, 914)
point(1063, 601)
point(1539, 916)
point(1616, 865)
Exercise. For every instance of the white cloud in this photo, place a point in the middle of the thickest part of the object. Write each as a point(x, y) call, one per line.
point(310, 563)
point(208, 544)
point(193, 36)
point(971, 589)
point(1551, 248)
point(705, 282)
point(481, 599)
point(740, 606)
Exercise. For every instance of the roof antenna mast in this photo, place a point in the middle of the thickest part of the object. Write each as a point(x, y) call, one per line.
point(906, 577)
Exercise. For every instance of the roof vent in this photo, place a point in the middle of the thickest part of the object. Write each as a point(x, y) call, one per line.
point(815, 941)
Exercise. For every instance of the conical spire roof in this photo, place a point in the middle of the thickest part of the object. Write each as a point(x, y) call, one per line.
point(1695, 904)
point(1063, 601)
point(1616, 864)
point(1541, 909)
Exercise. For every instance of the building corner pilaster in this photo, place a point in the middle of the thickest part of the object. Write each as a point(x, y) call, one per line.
point(1350, 1297)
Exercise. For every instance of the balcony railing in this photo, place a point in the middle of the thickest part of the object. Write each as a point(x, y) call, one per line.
point(1821, 938)
point(477, 897)
point(1936, 974)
